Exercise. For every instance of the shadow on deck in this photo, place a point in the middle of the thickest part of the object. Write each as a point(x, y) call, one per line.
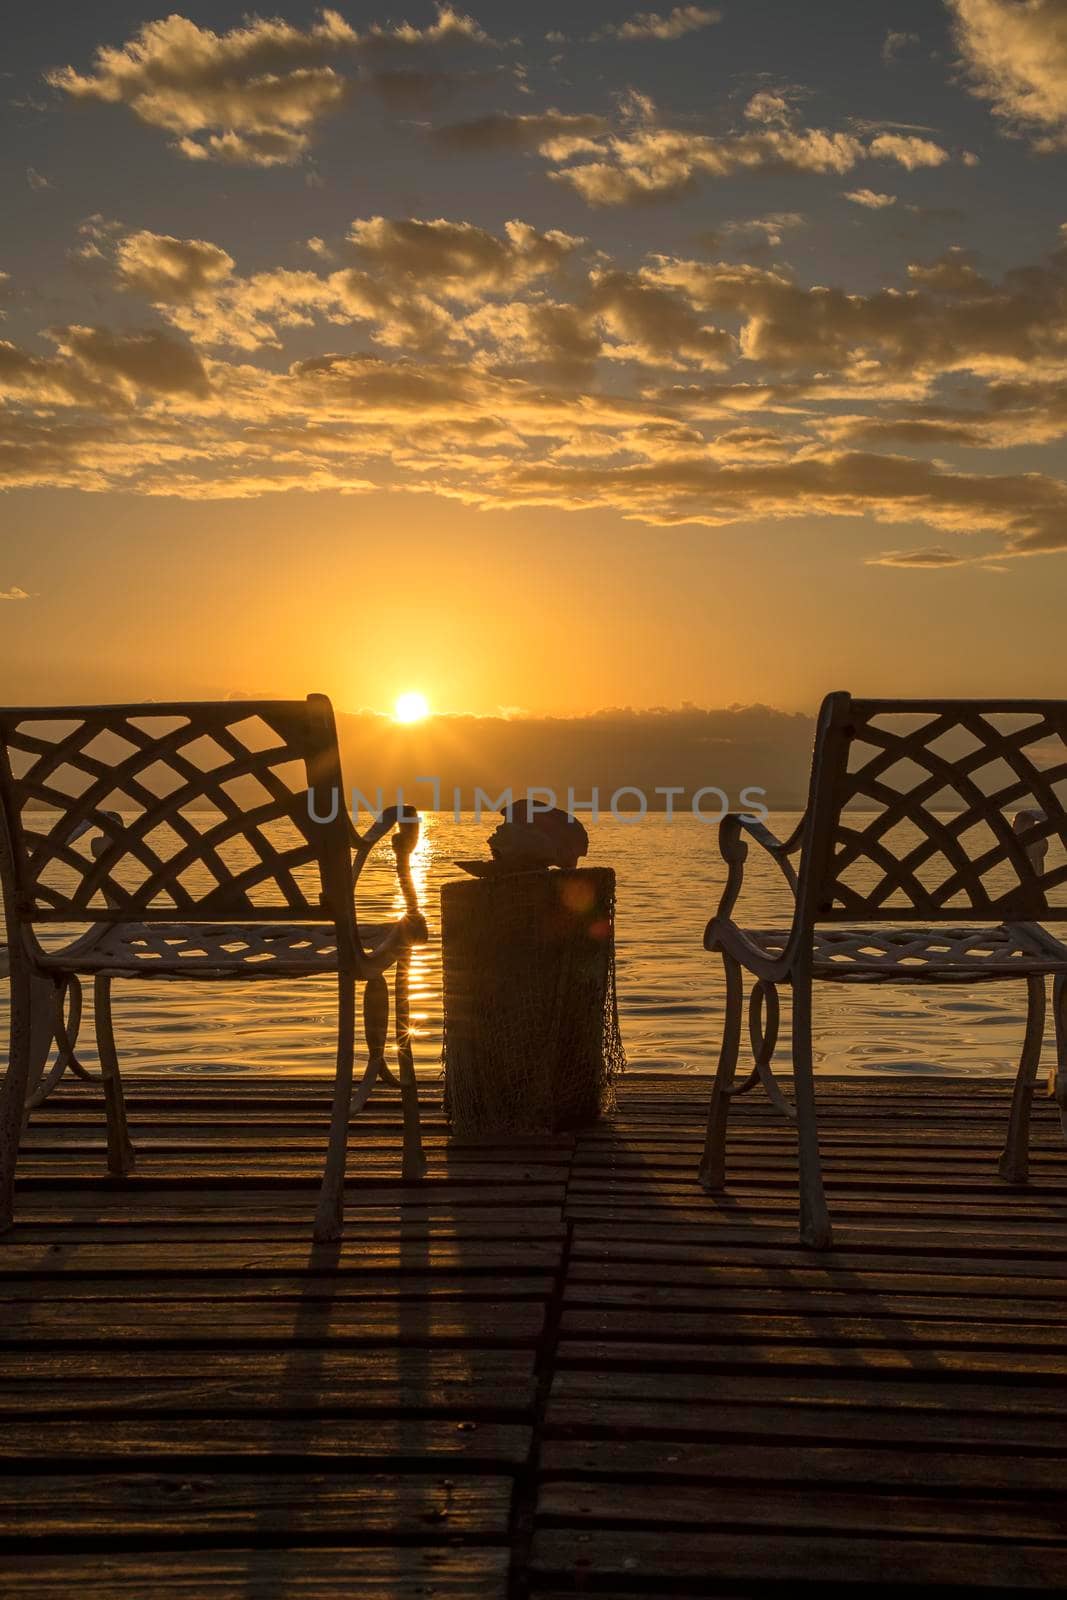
point(555, 1367)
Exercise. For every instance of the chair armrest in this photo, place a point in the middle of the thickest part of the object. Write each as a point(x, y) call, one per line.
point(412, 927)
point(734, 852)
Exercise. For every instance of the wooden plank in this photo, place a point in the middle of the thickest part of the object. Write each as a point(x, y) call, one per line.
point(114, 1231)
point(803, 1464)
point(279, 1322)
point(822, 1304)
point(1008, 1208)
point(921, 1141)
point(722, 1408)
point(391, 1363)
point(177, 1573)
point(905, 1333)
point(695, 1556)
point(879, 1355)
point(70, 1210)
point(330, 1381)
point(420, 1444)
point(886, 1245)
point(937, 1391)
point(808, 1510)
point(365, 1258)
point(980, 1237)
point(290, 1129)
point(155, 1505)
point(717, 1268)
point(307, 1288)
point(822, 1424)
point(235, 1196)
point(153, 1179)
point(659, 1252)
point(291, 1396)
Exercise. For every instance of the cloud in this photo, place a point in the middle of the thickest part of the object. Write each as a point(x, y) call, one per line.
point(764, 230)
point(96, 238)
point(744, 745)
point(552, 133)
point(652, 161)
point(269, 147)
point(458, 258)
point(953, 274)
point(957, 321)
point(1002, 415)
point(922, 426)
point(544, 337)
point(14, 593)
point(1016, 55)
point(253, 312)
point(407, 268)
point(346, 423)
point(451, 27)
point(895, 44)
point(931, 214)
point(909, 152)
point(931, 559)
point(404, 88)
point(643, 159)
point(98, 370)
point(251, 96)
point(662, 162)
point(655, 325)
point(161, 267)
point(514, 368)
point(36, 180)
point(650, 25)
point(871, 198)
point(146, 359)
point(256, 90)
point(1029, 511)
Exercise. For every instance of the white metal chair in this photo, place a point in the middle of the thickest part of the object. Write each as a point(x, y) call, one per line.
point(188, 839)
point(939, 810)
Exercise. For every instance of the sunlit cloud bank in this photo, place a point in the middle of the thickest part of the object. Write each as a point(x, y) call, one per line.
point(507, 363)
point(522, 369)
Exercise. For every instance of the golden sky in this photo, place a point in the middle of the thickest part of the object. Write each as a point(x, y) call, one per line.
point(545, 360)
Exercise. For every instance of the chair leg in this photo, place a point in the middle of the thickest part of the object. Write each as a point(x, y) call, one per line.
point(13, 1092)
point(329, 1218)
point(43, 998)
point(712, 1173)
point(1014, 1164)
point(120, 1157)
point(414, 1161)
point(1059, 1008)
point(814, 1217)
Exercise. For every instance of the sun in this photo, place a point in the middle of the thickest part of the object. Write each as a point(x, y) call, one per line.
point(411, 707)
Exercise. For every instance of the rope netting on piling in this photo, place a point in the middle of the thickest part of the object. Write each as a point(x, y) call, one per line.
point(532, 1041)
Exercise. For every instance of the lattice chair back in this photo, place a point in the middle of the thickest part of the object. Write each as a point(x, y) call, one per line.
point(937, 811)
point(185, 812)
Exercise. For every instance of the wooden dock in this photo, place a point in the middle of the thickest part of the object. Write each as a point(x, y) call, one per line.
point(552, 1368)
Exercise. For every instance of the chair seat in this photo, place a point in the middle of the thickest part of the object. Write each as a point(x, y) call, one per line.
point(891, 954)
point(244, 950)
